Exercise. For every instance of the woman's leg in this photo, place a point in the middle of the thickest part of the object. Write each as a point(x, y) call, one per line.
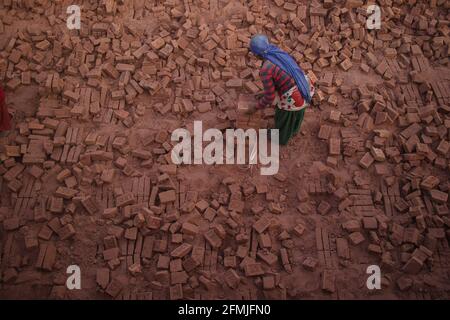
point(282, 123)
point(288, 122)
point(299, 115)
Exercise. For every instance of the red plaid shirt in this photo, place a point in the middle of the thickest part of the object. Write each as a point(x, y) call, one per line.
point(274, 80)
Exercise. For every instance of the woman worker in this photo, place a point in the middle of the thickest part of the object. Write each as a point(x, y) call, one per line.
point(285, 85)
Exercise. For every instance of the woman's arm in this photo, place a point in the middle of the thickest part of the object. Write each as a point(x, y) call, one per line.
point(266, 75)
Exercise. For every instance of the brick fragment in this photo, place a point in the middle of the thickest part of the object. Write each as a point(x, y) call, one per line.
point(213, 239)
point(232, 279)
point(253, 269)
point(66, 232)
point(181, 251)
point(65, 193)
point(262, 224)
point(90, 205)
point(328, 281)
point(335, 146)
point(189, 228)
point(125, 200)
point(167, 196)
point(114, 288)
point(310, 263)
point(366, 161)
point(439, 196)
point(102, 277)
point(356, 238)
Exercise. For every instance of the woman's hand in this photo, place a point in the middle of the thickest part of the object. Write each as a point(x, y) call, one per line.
point(251, 110)
point(259, 95)
point(254, 110)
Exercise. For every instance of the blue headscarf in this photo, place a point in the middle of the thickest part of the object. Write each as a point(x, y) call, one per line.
point(260, 46)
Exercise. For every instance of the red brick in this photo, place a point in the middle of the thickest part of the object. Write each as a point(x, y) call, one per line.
point(213, 239)
point(253, 269)
point(366, 161)
point(167, 196)
point(335, 146)
point(125, 200)
point(262, 224)
point(102, 277)
point(439, 196)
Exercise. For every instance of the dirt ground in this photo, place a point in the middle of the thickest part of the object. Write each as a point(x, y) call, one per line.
point(86, 176)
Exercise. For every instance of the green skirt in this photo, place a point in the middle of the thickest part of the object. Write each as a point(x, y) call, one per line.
point(288, 122)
